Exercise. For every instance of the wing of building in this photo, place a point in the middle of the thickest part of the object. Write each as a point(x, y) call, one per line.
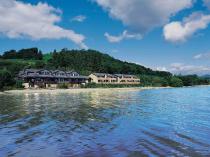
point(51, 78)
point(104, 78)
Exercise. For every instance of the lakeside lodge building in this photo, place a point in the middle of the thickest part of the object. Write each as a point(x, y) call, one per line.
point(50, 78)
point(34, 78)
point(103, 78)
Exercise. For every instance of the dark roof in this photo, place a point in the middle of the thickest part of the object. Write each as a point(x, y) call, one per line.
point(103, 75)
point(51, 74)
point(31, 70)
point(99, 74)
point(112, 75)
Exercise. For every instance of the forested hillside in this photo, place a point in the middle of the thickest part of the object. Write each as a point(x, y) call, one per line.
point(89, 61)
point(85, 62)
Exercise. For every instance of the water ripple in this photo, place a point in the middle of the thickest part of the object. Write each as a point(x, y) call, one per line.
point(165, 122)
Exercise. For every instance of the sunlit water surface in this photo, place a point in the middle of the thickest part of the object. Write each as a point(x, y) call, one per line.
point(164, 122)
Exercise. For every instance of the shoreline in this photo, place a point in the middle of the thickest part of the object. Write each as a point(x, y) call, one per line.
point(81, 90)
point(76, 90)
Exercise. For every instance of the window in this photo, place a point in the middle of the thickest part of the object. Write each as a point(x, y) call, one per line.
point(75, 74)
point(29, 73)
point(61, 74)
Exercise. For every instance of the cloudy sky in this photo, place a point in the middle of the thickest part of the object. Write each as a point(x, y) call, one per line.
point(171, 35)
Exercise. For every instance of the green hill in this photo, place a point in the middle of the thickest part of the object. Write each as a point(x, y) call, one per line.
point(88, 61)
point(85, 62)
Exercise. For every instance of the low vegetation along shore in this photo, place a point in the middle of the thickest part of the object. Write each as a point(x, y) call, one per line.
point(86, 62)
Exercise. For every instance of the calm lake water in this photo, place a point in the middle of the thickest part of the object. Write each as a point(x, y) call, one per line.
point(163, 122)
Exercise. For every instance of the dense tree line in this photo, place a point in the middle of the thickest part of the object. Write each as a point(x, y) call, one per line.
point(159, 81)
point(31, 53)
point(191, 80)
point(93, 61)
point(6, 78)
point(86, 62)
point(9, 70)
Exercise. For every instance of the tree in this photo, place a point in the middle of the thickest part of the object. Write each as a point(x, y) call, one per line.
point(39, 55)
point(176, 82)
point(31, 53)
point(6, 79)
point(39, 64)
point(12, 54)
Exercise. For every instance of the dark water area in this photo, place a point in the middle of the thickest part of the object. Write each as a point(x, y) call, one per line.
point(163, 122)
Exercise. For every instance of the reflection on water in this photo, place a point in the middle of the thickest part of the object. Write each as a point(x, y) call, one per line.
point(165, 122)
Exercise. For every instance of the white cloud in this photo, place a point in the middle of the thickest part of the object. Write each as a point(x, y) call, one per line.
point(181, 31)
point(202, 56)
point(79, 18)
point(24, 20)
point(184, 69)
point(161, 69)
point(124, 35)
point(180, 68)
point(144, 15)
point(207, 3)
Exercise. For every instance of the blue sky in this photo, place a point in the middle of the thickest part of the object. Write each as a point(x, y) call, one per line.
point(170, 35)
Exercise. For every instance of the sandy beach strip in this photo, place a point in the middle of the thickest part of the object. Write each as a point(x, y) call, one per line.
point(77, 90)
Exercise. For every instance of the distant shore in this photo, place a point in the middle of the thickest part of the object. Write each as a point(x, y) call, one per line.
point(77, 90)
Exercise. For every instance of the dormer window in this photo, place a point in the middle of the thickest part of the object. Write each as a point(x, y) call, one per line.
point(75, 74)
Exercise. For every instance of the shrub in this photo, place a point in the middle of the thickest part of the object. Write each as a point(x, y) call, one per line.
point(6, 79)
point(39, 64)
point(63, 86)
point(94, 85)
point(19, 84)
point(176, 82)
point(89, 85)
